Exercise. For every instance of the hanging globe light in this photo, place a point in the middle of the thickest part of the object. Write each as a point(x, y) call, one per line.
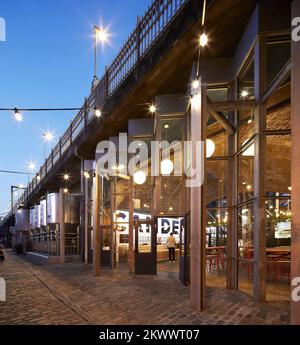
point(139, 177)
point(166, 167)
point(210, 148)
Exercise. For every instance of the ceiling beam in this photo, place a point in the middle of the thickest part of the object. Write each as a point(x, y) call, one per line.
point(220, 118)
point(233, 105)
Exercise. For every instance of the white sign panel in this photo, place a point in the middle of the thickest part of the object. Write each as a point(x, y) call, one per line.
point(165, 226)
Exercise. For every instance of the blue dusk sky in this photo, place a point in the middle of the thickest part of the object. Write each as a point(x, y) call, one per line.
point(47, 61)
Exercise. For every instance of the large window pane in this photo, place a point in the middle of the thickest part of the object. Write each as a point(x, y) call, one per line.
point(278, 248)
point(245, 174)
point(278, 176)
point(216, 174)
point(245, 248)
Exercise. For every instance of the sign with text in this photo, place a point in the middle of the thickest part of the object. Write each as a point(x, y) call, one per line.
point(165, 225)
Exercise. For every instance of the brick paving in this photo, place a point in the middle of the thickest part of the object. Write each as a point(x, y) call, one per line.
point(71, 295)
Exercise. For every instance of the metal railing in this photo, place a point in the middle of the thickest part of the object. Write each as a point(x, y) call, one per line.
point(156, 20)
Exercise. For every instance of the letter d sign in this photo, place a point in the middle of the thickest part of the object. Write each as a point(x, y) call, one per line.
point(2, 290)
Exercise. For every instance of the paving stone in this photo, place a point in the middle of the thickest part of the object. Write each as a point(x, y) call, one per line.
point(70, 294)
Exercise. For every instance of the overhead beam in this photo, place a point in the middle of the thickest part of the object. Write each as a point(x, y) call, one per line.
point(233, 105)
point(220, 118)
point(295, 161)
point(281, 77)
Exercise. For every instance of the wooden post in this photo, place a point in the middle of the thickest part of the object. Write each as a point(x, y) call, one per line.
point(131, 248)
point(295, 160)
point(62, 226)
point(96, 223)
point(231, 243)
point(198, 203)
point(259, 231)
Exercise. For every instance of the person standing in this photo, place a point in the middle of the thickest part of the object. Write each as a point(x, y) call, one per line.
point(171, 244)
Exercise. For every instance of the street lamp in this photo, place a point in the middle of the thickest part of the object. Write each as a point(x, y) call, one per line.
point(101, 35)
point(31, 166)
point(12, 189)
point(48, 138)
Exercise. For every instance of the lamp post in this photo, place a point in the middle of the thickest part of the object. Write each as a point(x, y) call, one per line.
point(12, 189)
point(48, 138)
point(100, 35)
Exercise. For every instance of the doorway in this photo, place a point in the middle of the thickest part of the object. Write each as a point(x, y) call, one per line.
point(145, 246)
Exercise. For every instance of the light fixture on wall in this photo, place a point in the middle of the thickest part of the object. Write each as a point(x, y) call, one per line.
point(195, 84)
point(166, 167)
point(244, 94)
point(97, 112)
point(86, 175)
point(152, 108)
point(210, 148)
point(196, 101)
point(66, 177)
point(139, 177)
point(203, 40)
point(66, 190)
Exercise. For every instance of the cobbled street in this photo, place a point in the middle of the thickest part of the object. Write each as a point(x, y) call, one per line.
point(71, 295)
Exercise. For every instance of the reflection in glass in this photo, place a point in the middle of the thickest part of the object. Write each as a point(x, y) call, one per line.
point(245, 248)
point(216, 174)
point(245, 174)
point(278, 176)
point(278, 248)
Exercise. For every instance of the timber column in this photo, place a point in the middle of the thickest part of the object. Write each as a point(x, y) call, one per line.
point(295, 103)
point(198, 200)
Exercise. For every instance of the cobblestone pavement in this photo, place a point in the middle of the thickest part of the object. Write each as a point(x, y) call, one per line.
point(71, 295)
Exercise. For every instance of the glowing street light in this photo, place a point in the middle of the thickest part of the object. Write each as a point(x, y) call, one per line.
point(48, 136)
point(66, 177)
point(101, 35)
point(31, 166)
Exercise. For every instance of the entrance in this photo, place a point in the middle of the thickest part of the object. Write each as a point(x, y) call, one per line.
point(165, 226)
point(106, 246)
point(145, 246)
